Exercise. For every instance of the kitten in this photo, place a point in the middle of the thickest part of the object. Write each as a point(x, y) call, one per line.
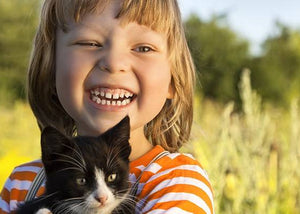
point(85, 174)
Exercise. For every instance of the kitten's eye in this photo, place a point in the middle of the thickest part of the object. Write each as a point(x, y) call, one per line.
point(112, 177)
point(81, 181)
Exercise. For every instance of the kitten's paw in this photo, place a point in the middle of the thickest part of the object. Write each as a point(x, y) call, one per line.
point(43, 211)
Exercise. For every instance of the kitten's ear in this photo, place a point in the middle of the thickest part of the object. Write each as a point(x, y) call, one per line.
point(54, 142)
point(120, 132)
point(119, 136)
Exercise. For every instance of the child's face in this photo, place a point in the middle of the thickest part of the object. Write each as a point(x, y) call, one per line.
point(98, 55)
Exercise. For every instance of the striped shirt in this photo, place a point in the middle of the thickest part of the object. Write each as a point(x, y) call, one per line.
point(175, 183)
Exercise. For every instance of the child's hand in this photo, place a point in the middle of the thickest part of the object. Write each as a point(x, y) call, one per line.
point(43, 211)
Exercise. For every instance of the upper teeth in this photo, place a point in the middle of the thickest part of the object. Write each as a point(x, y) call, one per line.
point(107, 96)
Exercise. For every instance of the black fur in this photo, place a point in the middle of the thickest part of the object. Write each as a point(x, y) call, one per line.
point(67, 160)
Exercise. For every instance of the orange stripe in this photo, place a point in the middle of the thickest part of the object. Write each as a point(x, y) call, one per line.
point(179, 160)
point(184, 205)
point(41, 191)
point(36, 163)
point(23, 176)
point(174, 174)
point(146, 159)
point(2, 212)
point(5, 195)
point(183, 188)
point(18, 195)
point(135, 171)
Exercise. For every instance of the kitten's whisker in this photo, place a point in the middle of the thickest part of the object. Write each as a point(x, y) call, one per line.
point(110, 158)
point(79, 155)
point(71, 163)
point(70, 160)
point(115, 151)
point(70, 168)
point(45, 197)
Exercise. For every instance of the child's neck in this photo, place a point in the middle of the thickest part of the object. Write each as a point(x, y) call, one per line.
point(139, 144)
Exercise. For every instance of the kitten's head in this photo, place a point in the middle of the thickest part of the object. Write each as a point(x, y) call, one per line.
point(89, 174)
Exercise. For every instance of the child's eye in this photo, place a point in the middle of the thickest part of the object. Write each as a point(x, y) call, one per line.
point(90, 44)
point(143, 49)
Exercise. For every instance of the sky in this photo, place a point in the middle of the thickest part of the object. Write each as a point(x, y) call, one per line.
point(252, 19)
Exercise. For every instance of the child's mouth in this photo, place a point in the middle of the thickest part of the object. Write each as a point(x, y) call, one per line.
point(111, 97)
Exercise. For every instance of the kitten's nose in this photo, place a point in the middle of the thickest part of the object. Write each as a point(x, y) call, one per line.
point(101, 198)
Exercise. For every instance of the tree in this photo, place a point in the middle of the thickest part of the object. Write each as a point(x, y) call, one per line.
point(276, 74)
point(219, 55)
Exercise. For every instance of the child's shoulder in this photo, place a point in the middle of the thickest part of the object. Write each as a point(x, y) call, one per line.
point(175, 180)
point(22, 175)
point(17, 185)
point(180, 165)
point(35, 163)
point(170, 164)
point(27, 168)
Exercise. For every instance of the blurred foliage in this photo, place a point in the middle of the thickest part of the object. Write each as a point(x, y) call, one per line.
point(219, 55)
point(19, 137)
point(252, 156)
point(18, 21)
point(276, 74)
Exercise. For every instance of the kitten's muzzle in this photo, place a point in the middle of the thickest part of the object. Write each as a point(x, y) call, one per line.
point(101, 199)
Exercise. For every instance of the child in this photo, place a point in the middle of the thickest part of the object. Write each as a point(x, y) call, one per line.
point(96, 61)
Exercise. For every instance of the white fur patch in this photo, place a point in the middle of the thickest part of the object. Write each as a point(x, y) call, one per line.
point(43, 211)
point(102, 191)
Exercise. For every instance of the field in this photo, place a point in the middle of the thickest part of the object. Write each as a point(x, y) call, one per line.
point(252, 156)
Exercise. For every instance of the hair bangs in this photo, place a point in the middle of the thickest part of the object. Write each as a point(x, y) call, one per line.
point(155, 14)
point(67, 11)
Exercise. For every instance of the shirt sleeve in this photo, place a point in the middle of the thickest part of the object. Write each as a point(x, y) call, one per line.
point(183, 188)
point(5, 196)
point(16, 186)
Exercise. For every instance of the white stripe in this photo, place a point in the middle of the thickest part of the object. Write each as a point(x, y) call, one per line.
point(154, 168)
point(140, 188)
point(173, 155)
point(35, 169)
point(13, 204)
point(141, 167)
point(194, 168)
point(17, 184)
point(173, 210)
point(4, 206)
point(132, 177)
point(183, 180)
point(189, 155)
point(169, 197)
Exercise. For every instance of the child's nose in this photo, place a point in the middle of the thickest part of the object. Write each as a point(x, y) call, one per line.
point(114, 60)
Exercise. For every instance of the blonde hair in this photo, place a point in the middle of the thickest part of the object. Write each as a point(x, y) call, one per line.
point(172, 126)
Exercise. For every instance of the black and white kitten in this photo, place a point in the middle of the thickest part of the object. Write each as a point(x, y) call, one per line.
point(85, 174)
